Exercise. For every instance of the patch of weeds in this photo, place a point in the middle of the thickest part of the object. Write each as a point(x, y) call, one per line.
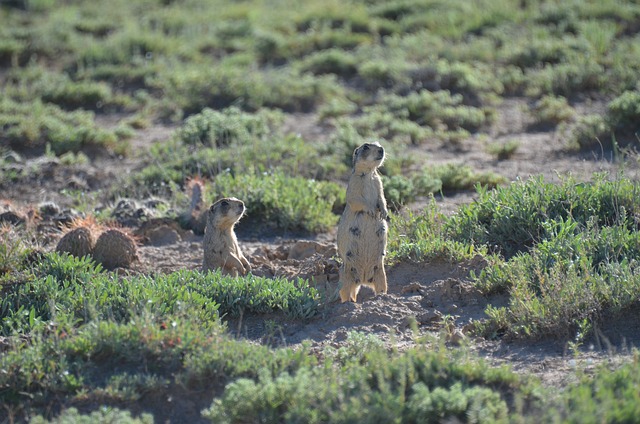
point(567, 78)
point(437, 109)
point(60, 89)
point(331, 61)
point(77, 287)
point(510, 219)
point(461, 177)
point(572, 276)
point(589, 132)
point(257, 295)
point(503, 151)
point(379, 385)
point(173, 163)
point(335, 108)
point(421, 237)
point(227, 127)
point(544, 51)
point(623, 112)
point(383, 73)
point(376, 122)
point(71, 159)
point(619, 123)
point(104, 415)
point(355, 348)
point(400, 190)
point(607, 395)
point(552, 110)
point(67, 269)
point(34, 124)
point(280, 201)
point(197, 87)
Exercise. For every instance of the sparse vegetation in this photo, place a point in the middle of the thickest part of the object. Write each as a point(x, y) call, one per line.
point(266, 101)
point(503, 151)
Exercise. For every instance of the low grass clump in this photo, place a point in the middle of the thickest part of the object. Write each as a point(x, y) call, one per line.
point(503, 151)
point(552, 110)
point(512, 219)
point(227, 127)
point(63, 281)
point(400, 190)
point(418, 385)
point(571, 280)
point(571, 252)
point(623, 113)
point(276, 200)
point(196, 87)
point(423, 237)
point(60, 89)
point(437, 109)
point(618, 126)
point(567, 254)
point(34, 125)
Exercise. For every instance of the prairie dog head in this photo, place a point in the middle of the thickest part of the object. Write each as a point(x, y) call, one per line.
point(224, 213)
point(368, 157)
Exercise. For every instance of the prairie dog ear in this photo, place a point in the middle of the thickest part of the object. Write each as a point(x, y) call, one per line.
point(212, 208)
point(355, 156)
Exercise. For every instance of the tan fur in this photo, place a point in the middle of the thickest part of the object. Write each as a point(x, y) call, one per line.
point(221, 249)
point(362, 231)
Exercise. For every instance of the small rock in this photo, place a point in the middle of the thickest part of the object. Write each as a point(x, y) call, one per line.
point(456, 337)
point(305, 249)
point(429, 317)
point(163, 235)
point(414, 287)
point(12, 218)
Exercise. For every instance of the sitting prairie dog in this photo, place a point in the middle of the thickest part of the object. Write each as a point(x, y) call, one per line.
point(362, 231)
point(221, 249)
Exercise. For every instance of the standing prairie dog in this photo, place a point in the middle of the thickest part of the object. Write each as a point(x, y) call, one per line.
point(221, 249)
point(362, 231)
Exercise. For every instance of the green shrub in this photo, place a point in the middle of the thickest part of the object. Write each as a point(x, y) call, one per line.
point(423, 237)
point(228, 127)
point(29, 125)
point(623, 112)
point(288, 203)
point(196, 87)
point(568, 78)
point(173, 162)
point(380, 73)
point(103, 416)
point(510, 219)
point(378, 122)
point(256, 295)
point(548, 51)
point(335, 108)
point(411, 387)
point(608, 395)
point(569, 278)
point(400, 190)
point(552, 110)
point(589, 132)
point(461, 177)
point(436, 109)
point(331, 61)
point(503, 151)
